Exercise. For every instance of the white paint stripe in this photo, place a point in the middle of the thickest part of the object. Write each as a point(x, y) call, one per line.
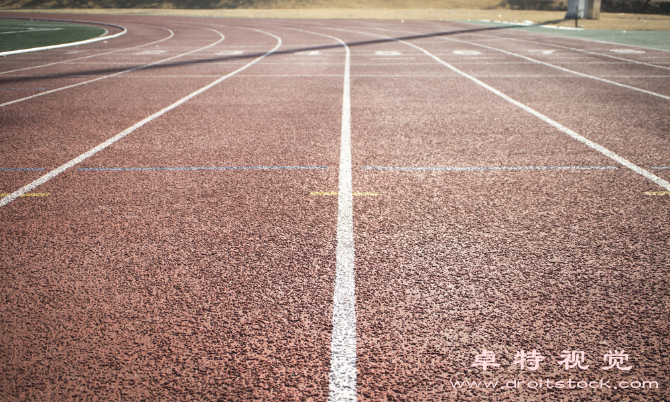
point(546, 64)
point(18, 193)
point(342, 385)
point(94, 55)
point(643, 172)
point(115, 74)
point(343, 346)
point(83, 42)
point(31, 30)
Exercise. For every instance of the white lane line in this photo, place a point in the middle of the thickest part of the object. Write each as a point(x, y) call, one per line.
point(115, 74)
point(27, 188)
point(342, 385)
point(548, 65)
point(387, 53)
point(643, 172)
point(343, 346)
point(581, 50)
point(32, 30)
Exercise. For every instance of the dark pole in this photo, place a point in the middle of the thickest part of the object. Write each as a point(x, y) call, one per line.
point(577, 16)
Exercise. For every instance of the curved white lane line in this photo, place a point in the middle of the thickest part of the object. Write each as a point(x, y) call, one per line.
point(643, 172)
point(27, 188)
point(83, 42)
point(342, 375)
point(94, 55)
point(113, 75)
point(540, 62)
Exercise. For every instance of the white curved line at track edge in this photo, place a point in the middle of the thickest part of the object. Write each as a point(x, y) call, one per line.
point(83, 42)
point(539, 62)
point(55, 172)
point(113, 75)
point(637, 169)
point(342, 376)
point(94, 55)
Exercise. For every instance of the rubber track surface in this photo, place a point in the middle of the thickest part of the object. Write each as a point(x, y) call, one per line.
point(195, 259)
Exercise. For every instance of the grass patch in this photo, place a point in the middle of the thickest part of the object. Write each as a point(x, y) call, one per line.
point(25, 34)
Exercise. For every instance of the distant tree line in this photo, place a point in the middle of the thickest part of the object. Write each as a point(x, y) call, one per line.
point(607, 6)
point(636, 6)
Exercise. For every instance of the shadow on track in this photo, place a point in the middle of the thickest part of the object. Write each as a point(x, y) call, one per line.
point(159, 65)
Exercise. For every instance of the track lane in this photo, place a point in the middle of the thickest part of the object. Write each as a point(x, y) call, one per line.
point(112, 75)
point(248, 303)
point(449, 263)
point(25, 189)
point(548, 64)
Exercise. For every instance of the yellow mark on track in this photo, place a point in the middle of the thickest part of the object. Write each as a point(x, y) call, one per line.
point(28, 194)
point(657, 192)
point(355, 194)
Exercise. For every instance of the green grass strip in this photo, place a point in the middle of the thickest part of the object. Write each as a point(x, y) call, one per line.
point(26, 34)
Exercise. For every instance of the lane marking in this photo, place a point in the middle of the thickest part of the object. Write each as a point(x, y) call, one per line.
point(355, 194)
point(230, 52)
point(387, 53)
point(627, 51)
point(27, 194)
point(25, 189)
point(191, 168)
point(637, 169)
point(342, 385)
point(475, 168)
point(342, 376)
point(467, 52)
point(151, 52)
point(94, 55)
point(20, 169)
point(661, 167)
point(657, 192)
point(32, 30)
point(542, 51)
point(309, 53)
point(115, 74)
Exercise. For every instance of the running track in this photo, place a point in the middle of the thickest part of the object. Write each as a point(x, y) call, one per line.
point(210, 209)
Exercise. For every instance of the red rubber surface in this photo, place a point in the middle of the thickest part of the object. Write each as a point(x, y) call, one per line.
point(218, 284)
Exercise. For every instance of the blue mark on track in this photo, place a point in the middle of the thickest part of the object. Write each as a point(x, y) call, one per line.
point(474, 168)
point(115, 169)
point(20, 169)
